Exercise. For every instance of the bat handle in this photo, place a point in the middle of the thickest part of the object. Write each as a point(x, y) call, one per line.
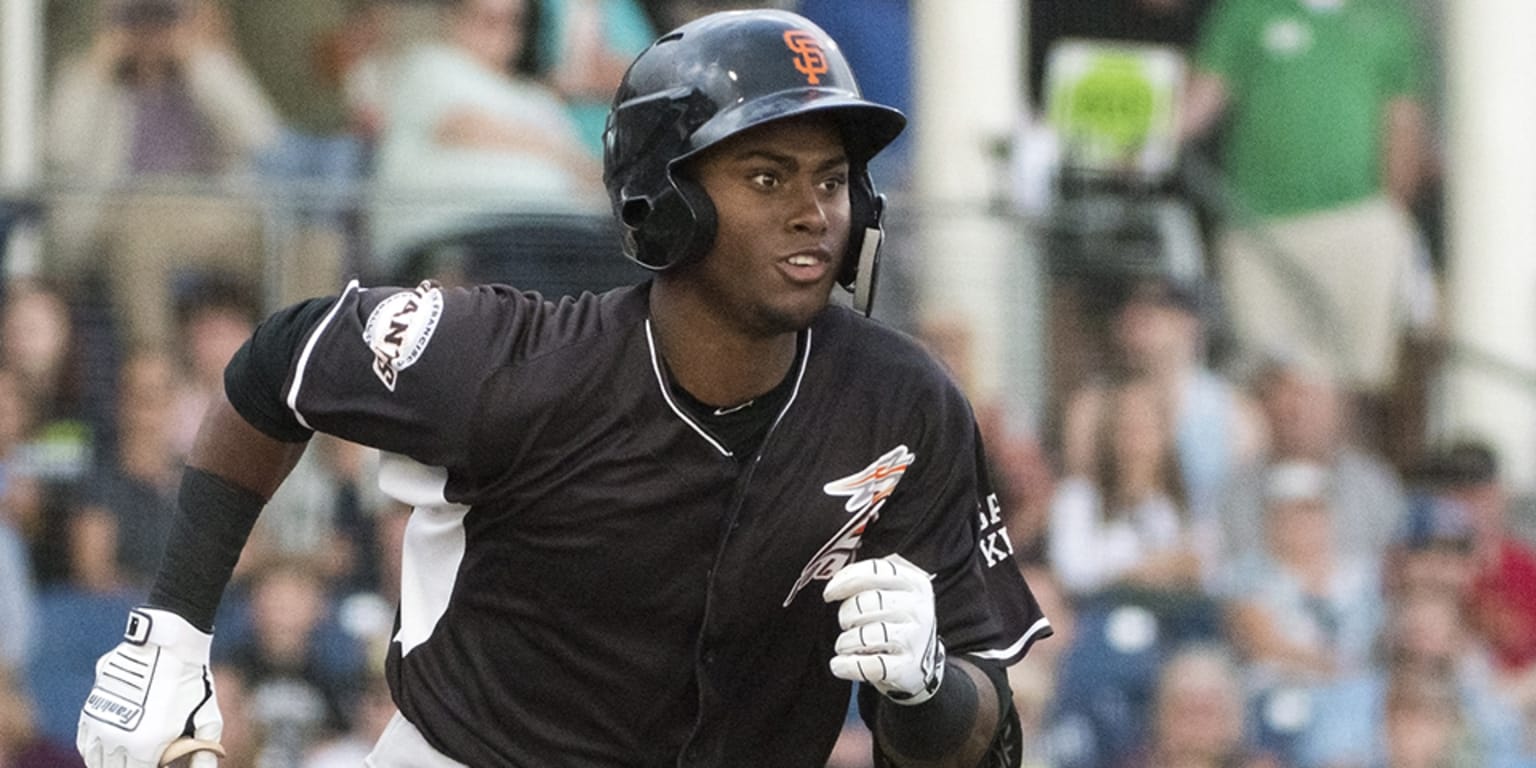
point(186, 746)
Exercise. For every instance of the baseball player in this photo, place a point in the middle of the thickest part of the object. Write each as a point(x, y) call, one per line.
point(665, 525)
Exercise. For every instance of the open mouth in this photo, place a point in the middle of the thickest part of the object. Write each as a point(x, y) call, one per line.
point(806, 267)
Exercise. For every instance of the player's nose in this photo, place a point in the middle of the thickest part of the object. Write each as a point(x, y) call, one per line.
point(808, 213)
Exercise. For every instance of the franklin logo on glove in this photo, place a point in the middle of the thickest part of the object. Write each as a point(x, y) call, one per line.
point(107, 708)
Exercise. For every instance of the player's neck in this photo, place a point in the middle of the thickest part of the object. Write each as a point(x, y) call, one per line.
point(723, 371)
point(715, 363)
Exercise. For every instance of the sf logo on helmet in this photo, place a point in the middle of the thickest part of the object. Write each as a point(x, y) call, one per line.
point(810, 60)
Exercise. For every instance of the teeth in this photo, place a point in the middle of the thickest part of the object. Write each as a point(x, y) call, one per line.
point(804, 261)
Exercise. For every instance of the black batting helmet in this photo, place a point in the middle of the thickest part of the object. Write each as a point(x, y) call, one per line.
point(709, 80)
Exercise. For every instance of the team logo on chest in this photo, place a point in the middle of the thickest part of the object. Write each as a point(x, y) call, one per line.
point(867, 491)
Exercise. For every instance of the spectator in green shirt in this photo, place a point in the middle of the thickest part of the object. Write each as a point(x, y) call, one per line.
point(1324, 148)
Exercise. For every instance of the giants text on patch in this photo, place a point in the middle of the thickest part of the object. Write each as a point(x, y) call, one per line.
point(399, 328)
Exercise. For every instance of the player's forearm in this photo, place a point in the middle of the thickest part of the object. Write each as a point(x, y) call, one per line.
point(954, 729)
point(230, 447)
point(232, 471)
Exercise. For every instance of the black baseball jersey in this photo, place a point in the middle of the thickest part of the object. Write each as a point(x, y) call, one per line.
point(591, 577)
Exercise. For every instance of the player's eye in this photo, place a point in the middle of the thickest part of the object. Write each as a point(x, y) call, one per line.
point(764, 179)
point(833, 183)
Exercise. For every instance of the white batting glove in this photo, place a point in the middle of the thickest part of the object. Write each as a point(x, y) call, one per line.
point(890, 637)
point(153, 700)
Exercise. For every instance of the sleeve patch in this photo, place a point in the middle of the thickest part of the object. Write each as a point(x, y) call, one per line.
point(995, 544)
point(399, 329)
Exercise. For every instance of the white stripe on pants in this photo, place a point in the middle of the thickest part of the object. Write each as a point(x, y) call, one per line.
point(402, 746)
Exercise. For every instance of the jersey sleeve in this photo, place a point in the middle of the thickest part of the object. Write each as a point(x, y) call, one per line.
point(253, 380)
point(984, 607)
point(395, 369)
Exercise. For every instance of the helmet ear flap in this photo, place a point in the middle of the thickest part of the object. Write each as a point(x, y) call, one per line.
point(705, 221)
point(676, 227)
point(866, 208)
point(650, 200)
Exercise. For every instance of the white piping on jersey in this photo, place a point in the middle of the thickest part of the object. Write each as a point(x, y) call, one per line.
point(309, 346)
point(1041, 624)
point(433, 548)
point(661, 381)
point(805, 362)
point(666, 394)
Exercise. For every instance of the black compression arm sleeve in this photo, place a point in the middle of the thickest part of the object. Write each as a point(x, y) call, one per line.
point(213, 521)
point(942, 726)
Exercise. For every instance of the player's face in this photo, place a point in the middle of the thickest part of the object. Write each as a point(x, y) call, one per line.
point(781, 198)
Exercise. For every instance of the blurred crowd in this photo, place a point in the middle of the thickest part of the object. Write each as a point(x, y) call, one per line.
point(1252, 551)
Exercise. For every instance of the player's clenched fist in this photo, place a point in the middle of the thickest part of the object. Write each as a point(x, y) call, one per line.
point(890, 639)
point(154, 689)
